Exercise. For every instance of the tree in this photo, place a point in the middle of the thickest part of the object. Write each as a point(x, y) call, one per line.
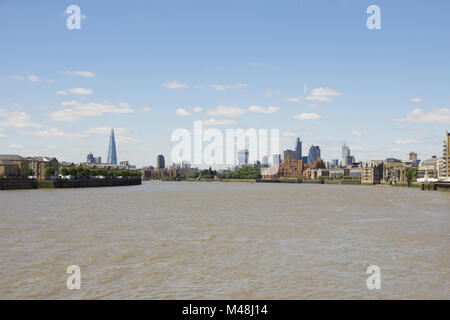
point(411, 174)
point(30, 172)
point(50, 171)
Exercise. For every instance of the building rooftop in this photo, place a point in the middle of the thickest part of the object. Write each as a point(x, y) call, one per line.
point(11, 157)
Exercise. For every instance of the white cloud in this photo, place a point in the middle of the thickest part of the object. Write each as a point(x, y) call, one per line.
point(255, 64)
point(182, 112)
point(31, 78)
point(146, 109)
point(307, 116)
point(86, 74)
point(17, 119)
point(2, 135)
point(416, 99)
point(222, 87)
point(76, 110)
point(214, 122)
point(270, 93)
point(107, 130)
point(226, 111)
point(289, 134)
point(174, 85)
point(79, 91)
point(407, 141)
point(319, 94)
point(258, 109)
point(357, 133)
point(432, 116)
point(197, 109)
point(312, 106)
point(15, 146)
point(56, 133)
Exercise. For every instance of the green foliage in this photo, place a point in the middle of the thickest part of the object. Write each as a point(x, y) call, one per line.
point(86, 173)
point(30, 172)
point(50, 171)
point(411, 173)
point(245, 172)
point(208, 174)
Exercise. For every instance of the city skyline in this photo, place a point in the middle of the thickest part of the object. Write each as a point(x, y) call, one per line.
point(382, 91)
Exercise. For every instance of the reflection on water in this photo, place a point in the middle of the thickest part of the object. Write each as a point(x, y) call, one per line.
point(225, 241)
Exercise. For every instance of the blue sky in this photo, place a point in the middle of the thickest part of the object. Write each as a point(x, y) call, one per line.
point(133, 64)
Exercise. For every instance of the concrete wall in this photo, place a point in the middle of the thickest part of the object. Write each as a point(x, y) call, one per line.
point(17, 184)
point(89, 183)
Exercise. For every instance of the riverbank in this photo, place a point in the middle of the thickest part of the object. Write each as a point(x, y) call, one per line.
point(13, 184)
point(423, 186)
point(66, 184)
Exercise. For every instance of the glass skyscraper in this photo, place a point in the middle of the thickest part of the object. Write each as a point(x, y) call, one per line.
point(314, 154)
point(112, 154)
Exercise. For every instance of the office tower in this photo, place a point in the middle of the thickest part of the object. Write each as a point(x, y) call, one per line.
point(276, 159)
point(334, 163)
point(243, 158)
point(446, 157)
point(160, 162)
point(98, 160)
point(305, 160)
point(90, 158)
point(412, 156)
point(314, 154)
point(346, 157)
point(265, 161)
point(112, 154)
point(298, 149)
point(289, 154)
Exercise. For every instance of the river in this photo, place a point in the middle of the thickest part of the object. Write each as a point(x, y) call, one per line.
point(205, 240)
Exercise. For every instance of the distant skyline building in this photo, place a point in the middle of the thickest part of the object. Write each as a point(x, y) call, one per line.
point(289, 154)
point(160, 162)
point(305, 159)
point(276, 159)
point(112, 153)
point(314, 154)
point(446, 157)
point(243, 158)
point(334, 163)
point(346, 156)
point(90, 158)
point(265, 161)
point(412, 156)
point(98, 160)
point(298, 149)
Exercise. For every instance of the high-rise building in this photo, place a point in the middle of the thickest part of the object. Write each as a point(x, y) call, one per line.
point(305, 159)
point(412, 156)
point(314, 154)
point(90, 158)
point(276, 159)
point(112, 154)
point(334, 163)
point(265, 161)
point(243, 158)
point(346, 156)
point(160, 162)
point(290, 154)
point(446, 157)
point(298, 149)
point(98, 160)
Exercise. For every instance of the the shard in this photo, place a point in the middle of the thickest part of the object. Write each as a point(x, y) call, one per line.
point(112, 154)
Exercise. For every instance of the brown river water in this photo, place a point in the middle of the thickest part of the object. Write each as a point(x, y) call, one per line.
point(225, 241)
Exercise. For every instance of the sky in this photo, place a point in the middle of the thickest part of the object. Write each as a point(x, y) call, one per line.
point(311, 69)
